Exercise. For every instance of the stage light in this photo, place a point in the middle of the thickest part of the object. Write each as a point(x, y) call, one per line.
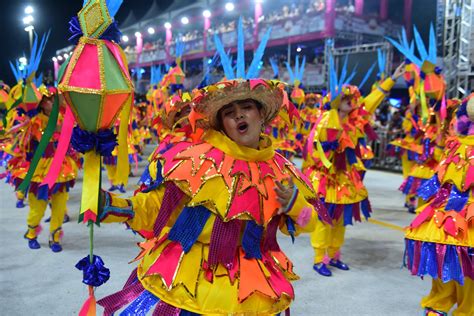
point(28, 19)
point(229, 6)
point(29, 10)
point(206, 13)
point(125, 38)
point(54, 59)
point(298, 49)
point(65, 55)
point(258, 1)
point(184, 20)
point(167, 25)
point(151, 31)
point(60, 58)
point(23, 60)
point(29, 28)
point(138, 34)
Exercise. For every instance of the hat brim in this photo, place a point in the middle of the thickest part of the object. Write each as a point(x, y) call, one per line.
point(268, 93)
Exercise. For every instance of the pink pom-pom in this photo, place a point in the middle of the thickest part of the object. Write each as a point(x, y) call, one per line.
point(38, 230)
point(304, 217)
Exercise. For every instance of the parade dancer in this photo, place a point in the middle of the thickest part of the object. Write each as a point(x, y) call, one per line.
point(427, 87)
point(336, 167)
point(213, 207)
point(439, 241)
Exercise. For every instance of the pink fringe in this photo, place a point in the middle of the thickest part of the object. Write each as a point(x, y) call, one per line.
point(337, 255)
point(38, 230)
point(304, 217)
point(326, 259)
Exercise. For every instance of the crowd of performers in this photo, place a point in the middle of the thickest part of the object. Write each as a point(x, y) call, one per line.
point(221, 182)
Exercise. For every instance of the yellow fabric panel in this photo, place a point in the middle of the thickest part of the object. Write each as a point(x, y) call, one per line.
point(422, 171)
point(373, 100)
point(218, 297)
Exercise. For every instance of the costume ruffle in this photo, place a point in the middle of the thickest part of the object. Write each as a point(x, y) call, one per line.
point(213, 246)
point(212, 177)
point(440, 261)
point(440, 239)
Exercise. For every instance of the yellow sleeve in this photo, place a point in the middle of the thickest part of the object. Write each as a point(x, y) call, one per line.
point(406, 124)
point(373, 100)
point(139, 211)
point(303, 215)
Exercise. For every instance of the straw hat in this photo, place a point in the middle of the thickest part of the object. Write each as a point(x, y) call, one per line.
point(269, 93)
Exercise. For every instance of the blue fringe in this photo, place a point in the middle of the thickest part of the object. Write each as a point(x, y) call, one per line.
point(429, 188)
point(331, 209)
point(411, 252)
point(365, 208)
point(412, 156)
point(189, 226)
point(348, 214)
point(290, 226)
point(251, 240)
point(428, 260)
point(153, 183)
point(351, 156)
point(457, 200)
point(408, 185)
point(141, 305)
point(327, 146)
point(452, 267)
point(146, 177)
point(275, 132)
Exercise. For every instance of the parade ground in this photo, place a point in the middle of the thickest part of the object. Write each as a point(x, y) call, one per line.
point(40, 282)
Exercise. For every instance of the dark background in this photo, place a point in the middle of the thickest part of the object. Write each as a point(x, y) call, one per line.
point(55, 14)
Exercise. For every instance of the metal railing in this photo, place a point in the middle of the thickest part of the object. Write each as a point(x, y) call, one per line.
point(382, 158)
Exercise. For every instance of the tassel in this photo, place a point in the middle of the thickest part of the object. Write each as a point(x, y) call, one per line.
point(89, 306)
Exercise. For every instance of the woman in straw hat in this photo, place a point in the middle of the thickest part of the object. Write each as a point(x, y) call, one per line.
point(212, 209)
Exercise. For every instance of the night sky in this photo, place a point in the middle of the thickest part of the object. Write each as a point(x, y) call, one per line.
point(49, 14)
point(55, 15)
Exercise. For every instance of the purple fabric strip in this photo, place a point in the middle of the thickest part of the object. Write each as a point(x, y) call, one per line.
point(440, 252)
point(224, 241)
point(116, 301)
point(467, 262)
point(172, 198)
point(164, 309)
point(270, 242)
point(131, 279)
point(321, 210)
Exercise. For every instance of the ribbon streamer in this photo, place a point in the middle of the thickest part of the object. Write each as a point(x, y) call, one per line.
point(91, 187)
point(48, 133)
point(122, 156)
point(63, 145)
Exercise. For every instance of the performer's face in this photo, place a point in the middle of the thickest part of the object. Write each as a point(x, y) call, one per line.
point(242, 122)
point(346, 105)
point(46, 105)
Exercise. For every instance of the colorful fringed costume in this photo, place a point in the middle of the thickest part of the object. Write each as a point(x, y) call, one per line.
point(38, 193)
point(426, 133)
point(337, 167)
point(440, 240)
point(211, 245)
point(208, 212)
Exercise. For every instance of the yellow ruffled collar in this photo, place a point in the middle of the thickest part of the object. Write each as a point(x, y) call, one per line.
point(231, 148)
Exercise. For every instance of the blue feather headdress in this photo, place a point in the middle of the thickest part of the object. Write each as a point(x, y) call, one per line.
point(296, 74)
point(254, 68)
point(27, 72)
